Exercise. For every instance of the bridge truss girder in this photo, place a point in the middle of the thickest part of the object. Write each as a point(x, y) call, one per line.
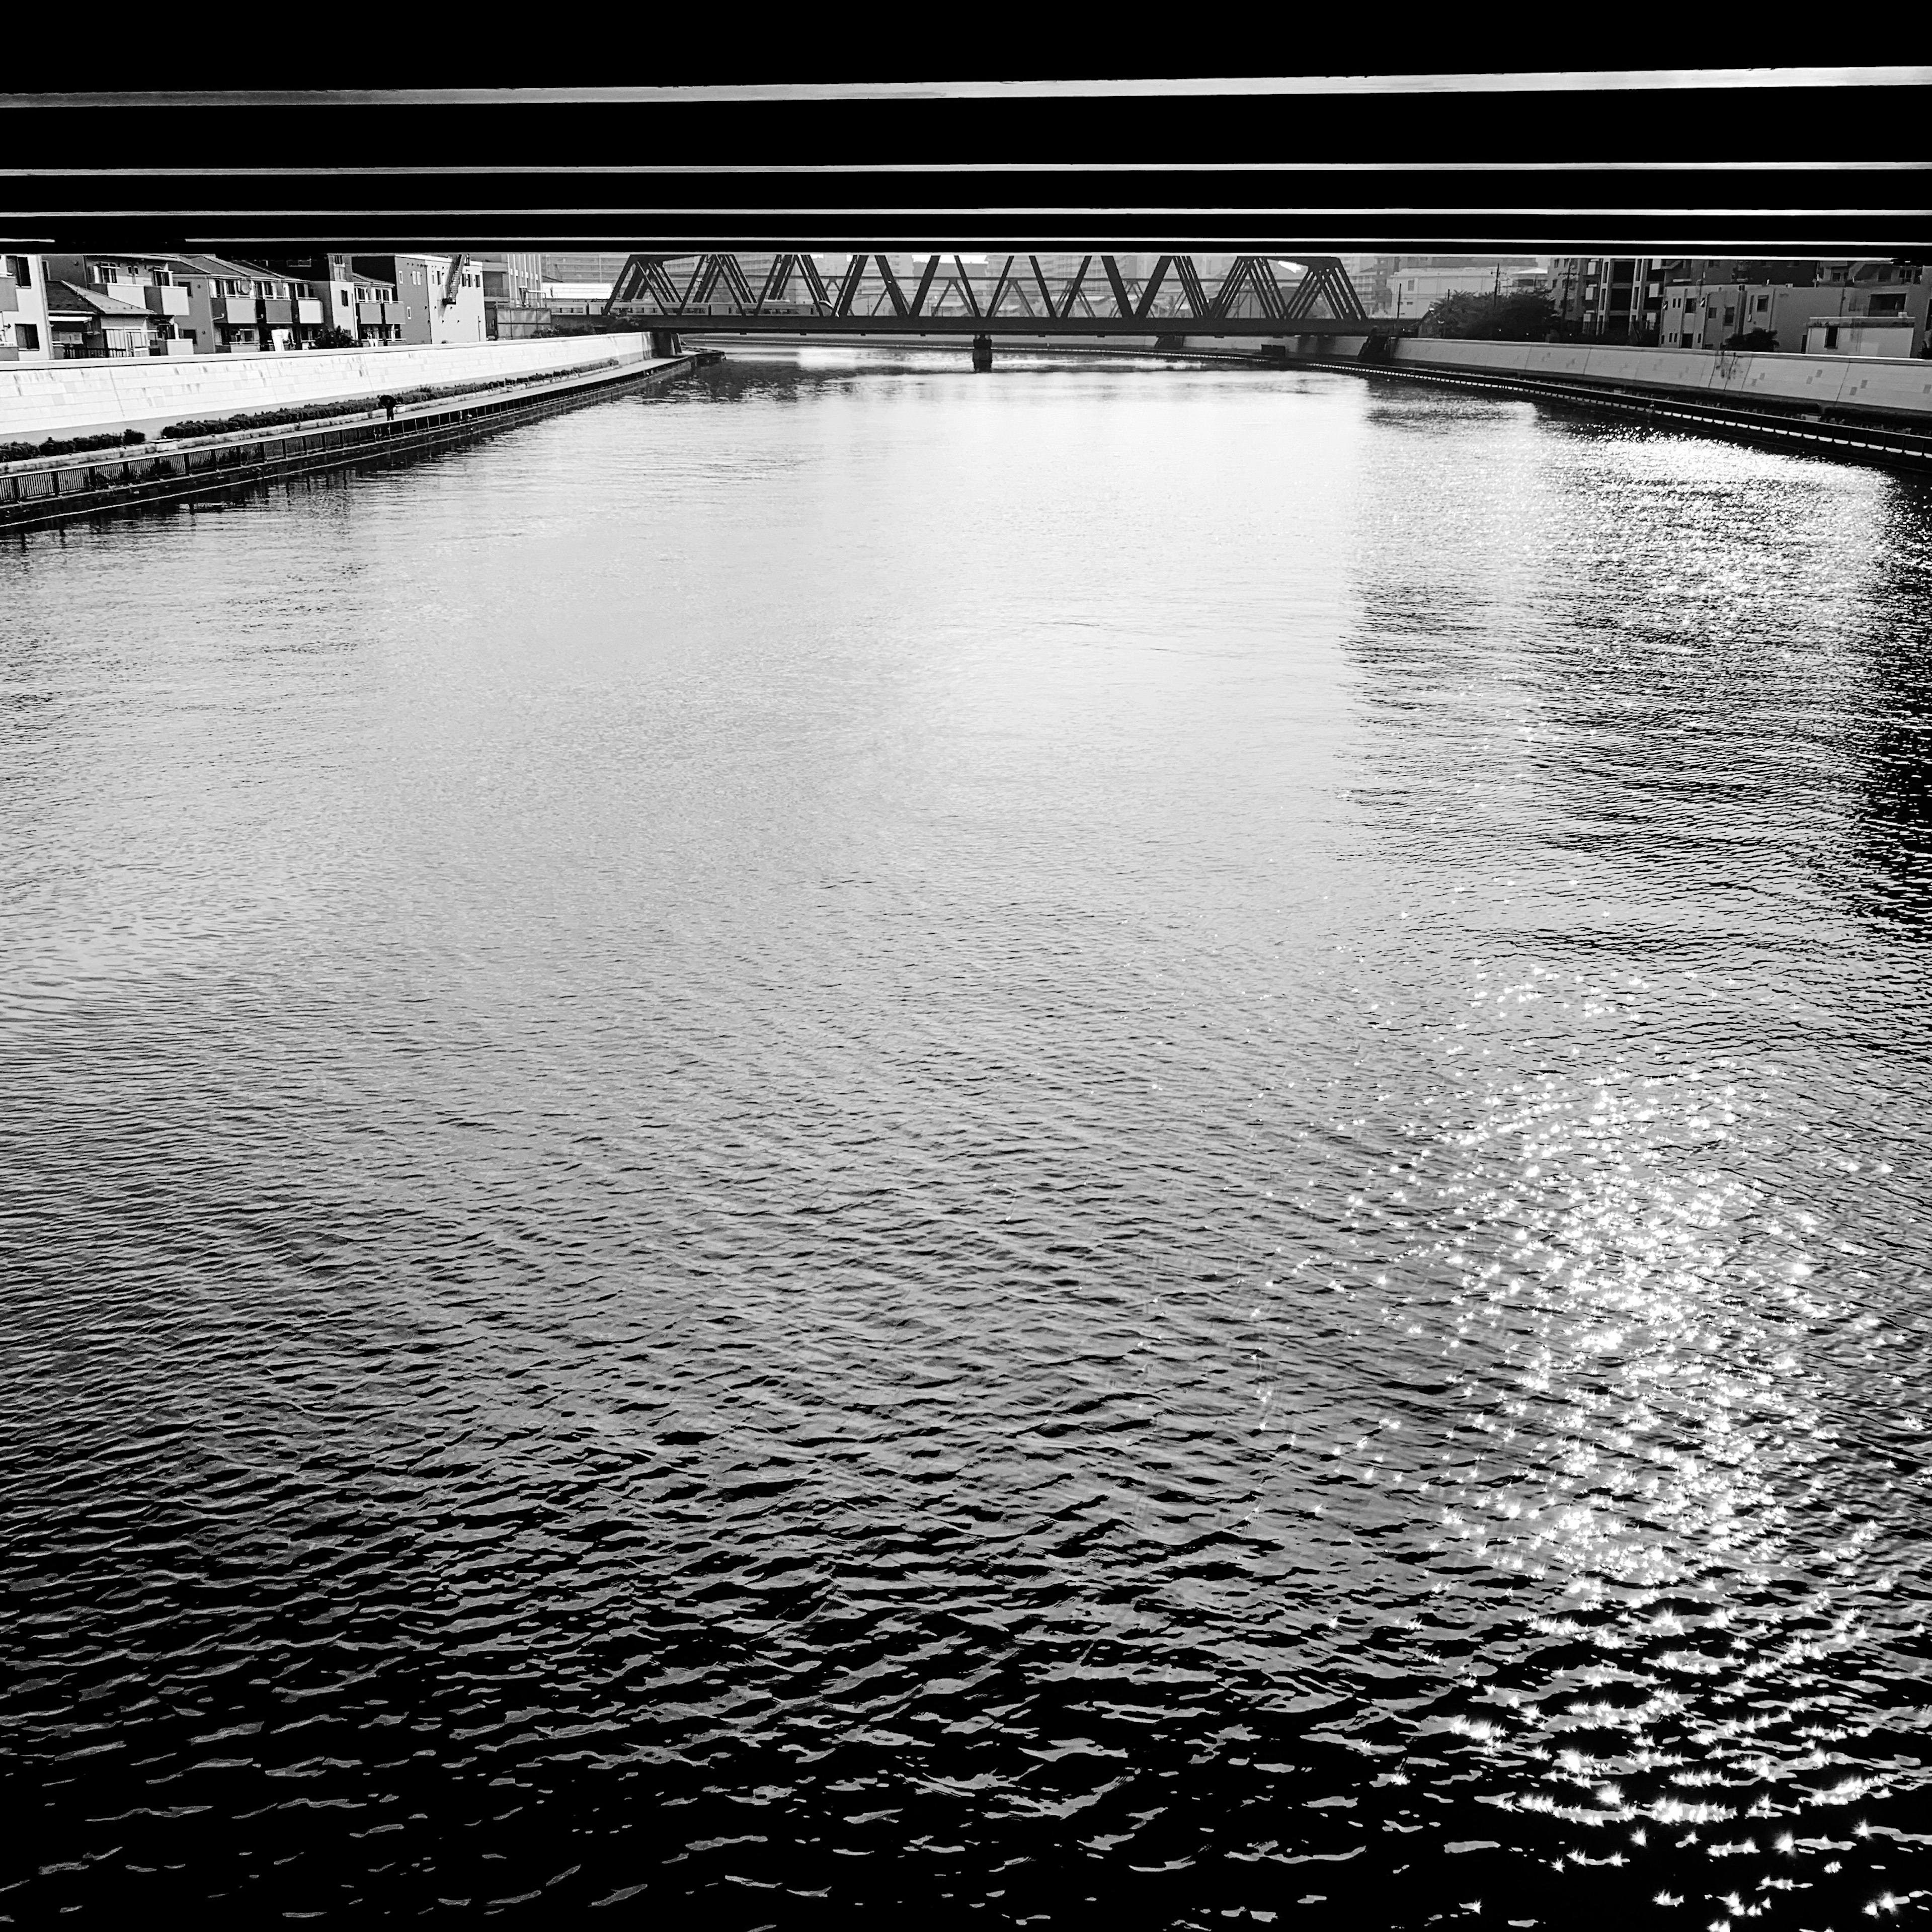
point(1171, 298)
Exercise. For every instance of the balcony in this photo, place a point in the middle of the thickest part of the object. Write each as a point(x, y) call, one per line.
point(165, 300)
point(233, 309)
point(369, 314)
point(278, 312)
point(308, 310)
point(10, 295)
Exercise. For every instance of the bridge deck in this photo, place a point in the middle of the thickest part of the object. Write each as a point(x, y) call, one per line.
point(695, 322)
point(1091, 295)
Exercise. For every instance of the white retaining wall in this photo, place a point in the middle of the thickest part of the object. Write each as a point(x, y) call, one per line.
point(1824, 382)
point(88, 398)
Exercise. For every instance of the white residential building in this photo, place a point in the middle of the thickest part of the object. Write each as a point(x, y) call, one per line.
point(24, 336)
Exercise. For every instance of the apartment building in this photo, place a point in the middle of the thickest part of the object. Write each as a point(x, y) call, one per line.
point(1703, 315)
point(348, 303)
point(1888, 298)
point(243, 308)
point(25, 333)
point(515, 279)
point(441, 296)
point(512, 293)
point(1612, 298)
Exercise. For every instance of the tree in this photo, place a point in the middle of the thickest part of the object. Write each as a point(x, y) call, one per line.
point(1752, 338)
point(1524, 315)
point(329, 336)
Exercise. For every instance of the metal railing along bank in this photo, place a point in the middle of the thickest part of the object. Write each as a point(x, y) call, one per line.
point(1894, 445)
point(46, 490)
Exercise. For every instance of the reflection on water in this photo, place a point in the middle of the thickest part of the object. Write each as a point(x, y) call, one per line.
point(864, 1138)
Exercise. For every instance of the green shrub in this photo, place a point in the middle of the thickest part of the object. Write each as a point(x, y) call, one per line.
point(357, 405)
point(72, 445)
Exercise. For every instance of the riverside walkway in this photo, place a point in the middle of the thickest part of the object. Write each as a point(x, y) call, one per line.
point(68, 484)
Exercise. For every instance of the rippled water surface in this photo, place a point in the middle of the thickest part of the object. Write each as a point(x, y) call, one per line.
point(865, 1145)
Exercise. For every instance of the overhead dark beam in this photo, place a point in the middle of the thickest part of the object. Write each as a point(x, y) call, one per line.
point(1802, 161)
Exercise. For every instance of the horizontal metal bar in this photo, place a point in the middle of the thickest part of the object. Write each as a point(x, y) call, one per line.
point(1557, 80)
point(888, 323)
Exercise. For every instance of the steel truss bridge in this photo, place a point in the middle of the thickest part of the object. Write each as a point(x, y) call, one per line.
point(1010, 295)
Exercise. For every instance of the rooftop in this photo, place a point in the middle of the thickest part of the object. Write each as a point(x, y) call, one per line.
point(82, 301)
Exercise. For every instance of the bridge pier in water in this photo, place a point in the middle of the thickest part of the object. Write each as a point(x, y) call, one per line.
point(982, 352)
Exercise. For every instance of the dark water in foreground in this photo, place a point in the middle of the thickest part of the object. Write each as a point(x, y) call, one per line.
point(868, 1146)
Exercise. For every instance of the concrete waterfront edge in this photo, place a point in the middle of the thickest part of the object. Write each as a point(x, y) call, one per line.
point(1864, 409)
point(104, 395)
point(1740, 376)
point(49, 490)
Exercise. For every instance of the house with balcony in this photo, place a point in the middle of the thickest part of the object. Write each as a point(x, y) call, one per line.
point(246, 308)
point(291, 317)
point(224, 310)
point(378, 320)
point(125, 280)
point(25, 335)
point(85, 321)
point(346, 304)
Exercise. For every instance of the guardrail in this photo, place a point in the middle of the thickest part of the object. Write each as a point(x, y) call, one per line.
point(1894, 449)
point(47, 489)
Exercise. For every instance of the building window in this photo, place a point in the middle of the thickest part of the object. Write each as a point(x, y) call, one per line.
point(26, 335)
point(21, 270)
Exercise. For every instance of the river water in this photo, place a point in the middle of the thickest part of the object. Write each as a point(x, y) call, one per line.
point(855, 1142)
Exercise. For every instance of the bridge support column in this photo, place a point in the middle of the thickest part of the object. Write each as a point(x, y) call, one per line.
point(982, 352)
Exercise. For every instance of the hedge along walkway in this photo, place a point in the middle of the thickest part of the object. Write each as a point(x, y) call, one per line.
point(72, 445)
point(53, 489)
point(303, 412)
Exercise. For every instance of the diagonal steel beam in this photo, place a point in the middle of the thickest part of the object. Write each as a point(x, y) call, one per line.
point(965, 285)
point(1073, 288)
point(1348, 303)
point(629, 285)
point(1232, 283)
point(848, 289)
point(925, 284)
point(1153, 287)
point(1301, 299)
point(1000, 287)
point(778, 279)
point(1122, 306)
point(892, 289)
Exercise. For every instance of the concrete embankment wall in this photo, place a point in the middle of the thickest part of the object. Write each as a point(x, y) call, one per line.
point(91, 397)
point(1832, 383)
point(47, 489)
